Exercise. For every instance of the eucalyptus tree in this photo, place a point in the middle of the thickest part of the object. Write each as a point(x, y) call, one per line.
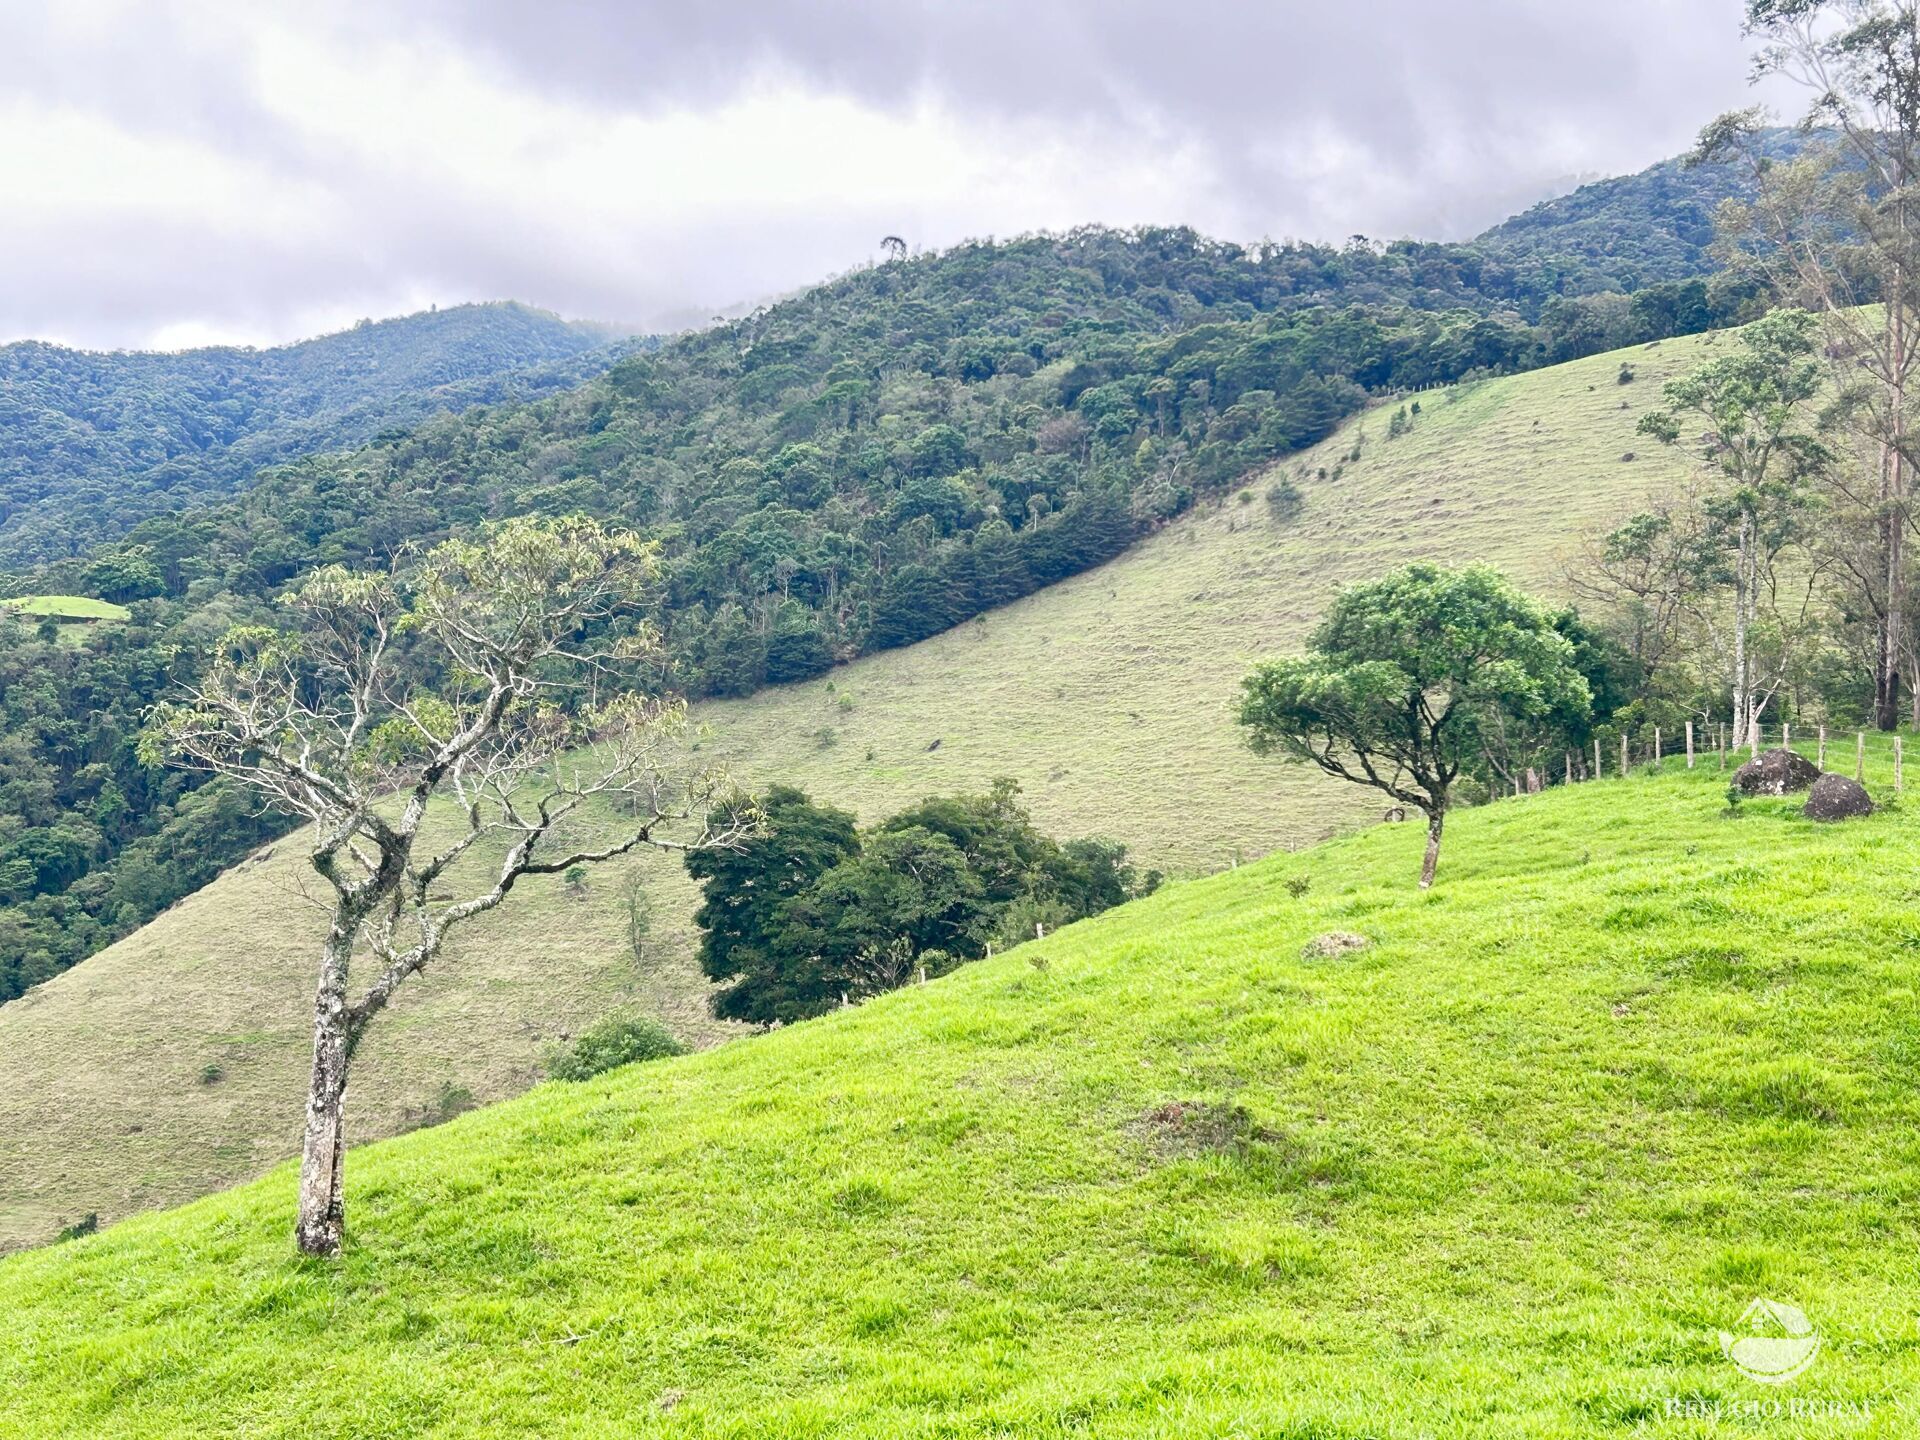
point(1838, 229)
point(463, 680)
point(1749, 415)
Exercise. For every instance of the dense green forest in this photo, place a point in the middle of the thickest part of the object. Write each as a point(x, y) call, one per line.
point(889, 454)
point(90, 443)
point(92, 842)
point(857, 467)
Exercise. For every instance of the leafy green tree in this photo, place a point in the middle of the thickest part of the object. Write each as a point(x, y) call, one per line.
point(746, 889)
point(809, 912)
point(610, 1043)
point(124, 576)
point(1406, 681)
point(1839, 227)
point(938, 450)
point(908, 890)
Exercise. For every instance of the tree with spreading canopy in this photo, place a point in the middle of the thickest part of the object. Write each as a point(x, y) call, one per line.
point(1409, 680)
point(462, 677)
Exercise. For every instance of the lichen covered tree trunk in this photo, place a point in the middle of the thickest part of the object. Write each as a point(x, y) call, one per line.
point(1893, 497)
point(1436, 821)
point(320, 1228)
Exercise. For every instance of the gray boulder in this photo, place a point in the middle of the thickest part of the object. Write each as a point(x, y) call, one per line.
point(1776, 772)
point(1835, 797)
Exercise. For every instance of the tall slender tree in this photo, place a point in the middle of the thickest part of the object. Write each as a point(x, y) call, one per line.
point(1759, 438)
point(1838, 230)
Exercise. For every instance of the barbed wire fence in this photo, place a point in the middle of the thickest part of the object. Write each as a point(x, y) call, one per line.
point(1871, 757)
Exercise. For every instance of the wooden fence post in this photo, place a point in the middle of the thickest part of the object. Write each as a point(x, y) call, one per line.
point(1897, 780)
point(1859, 754)
point(1753, 739)
point(1823, 747)
point(1689, 744)
point(1657, 756)
point(1596, 757)
point(1786, 737)
point(1623, 754)
point(1569, 759)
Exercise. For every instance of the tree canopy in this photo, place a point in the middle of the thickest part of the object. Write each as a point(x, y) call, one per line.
point(1413, 680)
point(91, 443)
point(811, 912)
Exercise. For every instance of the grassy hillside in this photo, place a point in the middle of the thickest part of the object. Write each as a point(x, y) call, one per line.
point(67, 607)
point(1505, 1172)
point(1107, 697)
point(862, 465)
point(74, 614)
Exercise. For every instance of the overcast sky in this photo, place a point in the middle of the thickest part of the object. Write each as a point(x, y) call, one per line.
point(175, 174)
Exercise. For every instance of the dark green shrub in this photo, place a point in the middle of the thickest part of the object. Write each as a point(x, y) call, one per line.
point(610, 1043)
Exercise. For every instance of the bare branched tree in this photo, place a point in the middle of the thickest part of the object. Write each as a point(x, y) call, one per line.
point(449, 681)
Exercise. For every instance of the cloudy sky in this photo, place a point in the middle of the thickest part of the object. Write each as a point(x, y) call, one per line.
point(181, 173)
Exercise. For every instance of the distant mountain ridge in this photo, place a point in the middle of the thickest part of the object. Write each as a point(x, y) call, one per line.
point(1628, 231)
point(93, 442)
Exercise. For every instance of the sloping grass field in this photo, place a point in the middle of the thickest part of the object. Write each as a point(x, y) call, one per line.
point(67, 607)
point(1108, 697)
point(1505, 1172)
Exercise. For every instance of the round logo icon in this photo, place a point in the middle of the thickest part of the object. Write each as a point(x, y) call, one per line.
point(1777, 1342)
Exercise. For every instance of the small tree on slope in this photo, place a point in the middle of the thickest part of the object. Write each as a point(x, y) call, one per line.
point(326, 724)
point(1404, 681)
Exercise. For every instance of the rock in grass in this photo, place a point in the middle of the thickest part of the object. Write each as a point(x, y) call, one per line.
point(1334, 942)
point(1835, 797)
point(1776, 772)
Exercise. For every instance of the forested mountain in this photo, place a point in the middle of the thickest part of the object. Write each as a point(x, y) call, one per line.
point(858, 467)
point(1629, 231)
point(90, 443)
point(888, 454)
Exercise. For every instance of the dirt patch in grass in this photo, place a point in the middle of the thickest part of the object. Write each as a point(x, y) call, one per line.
point(1177, 1128)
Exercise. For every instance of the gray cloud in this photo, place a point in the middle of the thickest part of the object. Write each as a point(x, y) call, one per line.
point(1414, 85)
point(552, 173)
